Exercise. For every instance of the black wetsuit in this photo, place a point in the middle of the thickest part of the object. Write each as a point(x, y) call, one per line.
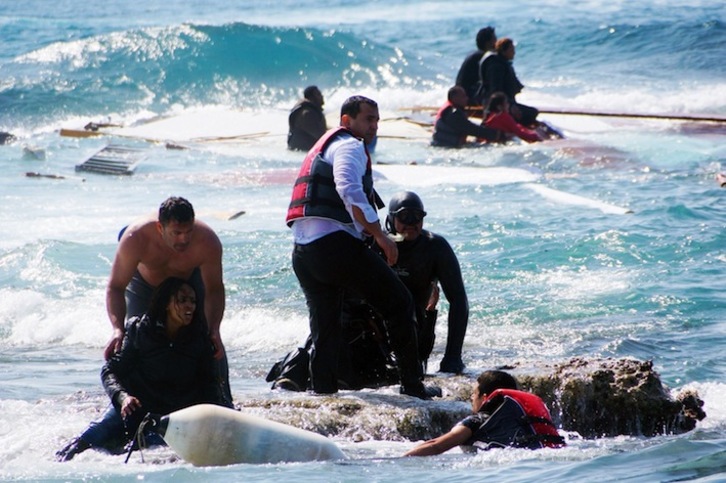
point(468, 76)
point(427, 259)
point(453, 126)
point(164, 375)
point(138, 299)
point(307, 124)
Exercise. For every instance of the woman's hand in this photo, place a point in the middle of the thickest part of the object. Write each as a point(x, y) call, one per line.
point(129, 405)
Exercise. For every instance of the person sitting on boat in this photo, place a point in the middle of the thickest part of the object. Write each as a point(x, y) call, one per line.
point(468, 75)
point(452, 125)
point(425, 261)
point(307, 121)
point(497, 117)
point(503, 416)
point(497, 75)
point(166, 363)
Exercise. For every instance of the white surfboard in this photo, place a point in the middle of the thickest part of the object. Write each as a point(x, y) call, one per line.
point(414, 175)
point(209, 435)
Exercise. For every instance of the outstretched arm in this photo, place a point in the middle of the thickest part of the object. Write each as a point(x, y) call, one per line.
point(458, 435)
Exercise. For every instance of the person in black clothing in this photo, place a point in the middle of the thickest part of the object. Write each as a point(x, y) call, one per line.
point(497, 75)
point(166, 363)
point(468, 76)
point(425, 260)
point(502, 416)
point(452, 125)
point(307, 121)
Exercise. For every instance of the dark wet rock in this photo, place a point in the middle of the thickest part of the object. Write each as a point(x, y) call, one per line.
point(593, 397)
point(610, 397)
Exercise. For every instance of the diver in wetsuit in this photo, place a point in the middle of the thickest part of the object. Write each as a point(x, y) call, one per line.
point(426, 260)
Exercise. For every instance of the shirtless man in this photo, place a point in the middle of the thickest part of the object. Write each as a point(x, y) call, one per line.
point(153, 249)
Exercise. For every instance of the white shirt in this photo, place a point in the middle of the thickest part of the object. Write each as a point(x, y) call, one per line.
point(348, 157)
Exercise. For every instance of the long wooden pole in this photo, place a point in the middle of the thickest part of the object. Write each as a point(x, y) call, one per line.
point(670, 117)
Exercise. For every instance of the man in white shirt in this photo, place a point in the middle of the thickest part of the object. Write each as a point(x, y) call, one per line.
point(332, 211)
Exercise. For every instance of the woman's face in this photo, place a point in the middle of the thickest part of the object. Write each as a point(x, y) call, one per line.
point(180, 310)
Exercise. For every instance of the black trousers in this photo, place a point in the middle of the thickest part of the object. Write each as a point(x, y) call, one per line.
point(326, 269)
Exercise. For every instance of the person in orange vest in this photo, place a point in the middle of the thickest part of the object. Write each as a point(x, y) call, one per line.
point(503, 416)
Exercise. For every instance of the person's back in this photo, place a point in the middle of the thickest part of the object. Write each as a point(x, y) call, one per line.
point(509, 417)
point(306, 121)
point(468, 75)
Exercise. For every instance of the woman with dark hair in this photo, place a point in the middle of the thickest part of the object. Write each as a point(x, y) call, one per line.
point(497, 117)
point(165, 364)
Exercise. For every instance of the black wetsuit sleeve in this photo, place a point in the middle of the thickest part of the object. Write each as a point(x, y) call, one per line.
point(121, 364)
point(448, 273)
point(496, 74)
point(463, 125)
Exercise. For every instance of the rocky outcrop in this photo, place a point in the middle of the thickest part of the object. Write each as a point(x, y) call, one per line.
point(593, 397)
point(610, 397)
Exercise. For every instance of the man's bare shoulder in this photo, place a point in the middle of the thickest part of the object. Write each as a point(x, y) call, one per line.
point(205, 236)
point(141, 229)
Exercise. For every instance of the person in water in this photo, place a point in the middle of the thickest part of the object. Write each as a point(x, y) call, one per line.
point(332, 210)
point(497, 75)
point(307, 121)
point(166, 363)
point(503, 416)
point(468, 75)
point(452, 125)
point(497, 117)
point(425, 260)
point(172, 243)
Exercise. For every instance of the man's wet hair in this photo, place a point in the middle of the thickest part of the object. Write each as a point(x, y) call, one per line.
point(490, 381)
point(351, 106)
point(176, 208)
point(483, 37)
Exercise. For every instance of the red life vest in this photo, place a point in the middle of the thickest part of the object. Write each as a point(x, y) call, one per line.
point(536, 416)
point(314, 193)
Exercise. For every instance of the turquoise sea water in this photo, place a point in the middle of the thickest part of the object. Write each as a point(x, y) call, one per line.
point(547, 280)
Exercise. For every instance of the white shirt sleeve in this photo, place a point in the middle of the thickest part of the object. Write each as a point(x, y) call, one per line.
point(349, 160)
